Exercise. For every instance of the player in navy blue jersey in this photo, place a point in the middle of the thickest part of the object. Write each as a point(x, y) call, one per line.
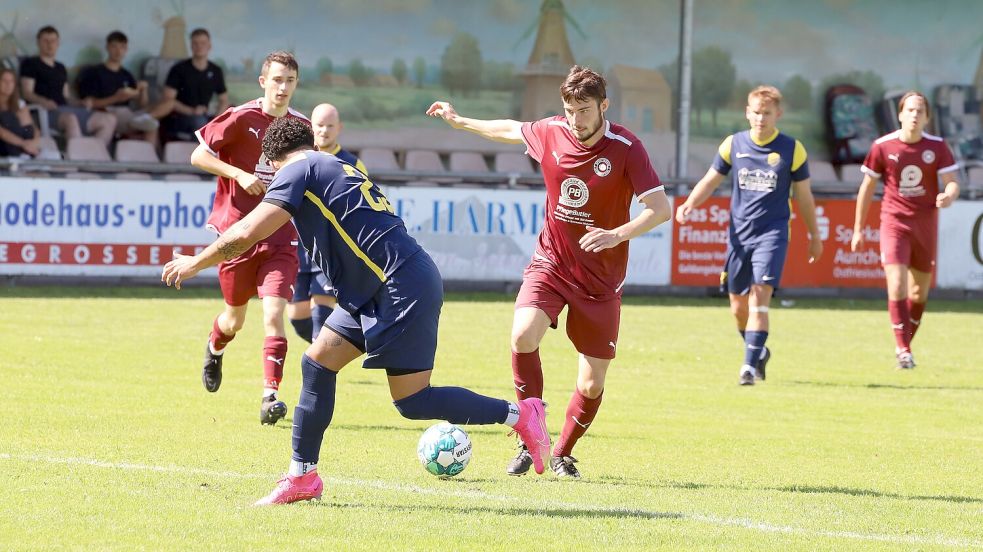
point(767, 167)
point(314, 295)
point(389, 293)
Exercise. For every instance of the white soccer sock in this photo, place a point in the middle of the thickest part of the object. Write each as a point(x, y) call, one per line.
point(213, 351)
point(267, 392)
point(512, 417)
point(300, 468)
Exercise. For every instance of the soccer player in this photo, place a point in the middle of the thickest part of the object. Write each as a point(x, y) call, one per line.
point(314, 296)
point(766, 167)
point(231, 148)
point(389, 292)
point(591, 168)
point(912, 164)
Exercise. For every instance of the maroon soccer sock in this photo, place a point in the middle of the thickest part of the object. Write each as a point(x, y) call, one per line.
point(580, 414)
point(527, 373)
point(217, 338)
point(900, 323)
point(915, 311)
point(274, 354)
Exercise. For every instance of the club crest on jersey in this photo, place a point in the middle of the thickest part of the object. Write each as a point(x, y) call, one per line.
point(774, 159)
point(928, 156)
point(602, 167)
point(573, 192)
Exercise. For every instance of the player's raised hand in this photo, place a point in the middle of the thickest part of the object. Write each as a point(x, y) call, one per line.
point(250, 183)
point(598, 239)
point(178, 269)
point(682, 213)
point(857, 240)
point(943, 200)
point(444, 110)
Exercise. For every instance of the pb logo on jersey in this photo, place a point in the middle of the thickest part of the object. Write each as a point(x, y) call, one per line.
point(602, 167)
point(573, 192)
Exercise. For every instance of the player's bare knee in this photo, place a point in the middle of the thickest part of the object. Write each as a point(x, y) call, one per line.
point(591, 389)
point(524, 342)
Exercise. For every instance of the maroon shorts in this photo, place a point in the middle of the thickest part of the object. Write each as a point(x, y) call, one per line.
point(264, 270)
point(592, 324)
point(910, 242)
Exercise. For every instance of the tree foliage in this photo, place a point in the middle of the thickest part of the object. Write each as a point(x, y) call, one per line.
point(460, 66)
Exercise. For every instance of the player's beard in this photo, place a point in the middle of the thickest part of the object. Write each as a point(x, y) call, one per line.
point(588, 134)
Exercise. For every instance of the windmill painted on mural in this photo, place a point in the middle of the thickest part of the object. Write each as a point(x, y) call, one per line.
point(549, 62)
point(10, 47)
point(175, 43)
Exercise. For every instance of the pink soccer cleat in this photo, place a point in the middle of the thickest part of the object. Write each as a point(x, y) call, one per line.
point(531, 428)
point(294, 489)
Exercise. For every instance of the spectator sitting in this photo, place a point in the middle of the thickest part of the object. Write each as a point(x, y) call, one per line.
point(44, 81)
point(18, 135)
point(111, 87)
point(189, 89)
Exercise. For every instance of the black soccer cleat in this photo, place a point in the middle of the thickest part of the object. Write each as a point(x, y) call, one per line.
point(271, 410)
point(762, 362)
point(563, 466)
point(211, 371)
point(521, 463)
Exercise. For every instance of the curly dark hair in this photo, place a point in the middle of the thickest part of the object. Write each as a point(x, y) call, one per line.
point(285, 136)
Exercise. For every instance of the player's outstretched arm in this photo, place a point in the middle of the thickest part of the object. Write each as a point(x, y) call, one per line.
point(204, 160)
point(864, 197)
point(701, 192)
point(262, 221)
point(499, 130)
point(802, 190)
point(951, 192)
point(657, 210)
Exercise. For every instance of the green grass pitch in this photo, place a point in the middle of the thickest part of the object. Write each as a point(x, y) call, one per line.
point(109, 442)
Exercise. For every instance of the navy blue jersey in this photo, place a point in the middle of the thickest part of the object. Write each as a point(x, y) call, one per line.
point(762, 179)
point(349, 228)
point(351, 159)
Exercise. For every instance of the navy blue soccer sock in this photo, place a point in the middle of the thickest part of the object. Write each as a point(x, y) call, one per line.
point(314, 409)
point(319, 314)
point(754, 343)
point(457, 405)
point(743, 336)
point(303, 327)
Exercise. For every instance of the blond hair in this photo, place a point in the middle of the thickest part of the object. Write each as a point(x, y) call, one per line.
point(766, 94)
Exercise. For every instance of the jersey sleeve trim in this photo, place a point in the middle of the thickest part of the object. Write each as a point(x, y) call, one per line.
point(869, 171)
point(286, 206)
point(724, 149)
point(799, 156)
point(201, 140)
point(950, 168)
point(344, 235)
point(660, 188)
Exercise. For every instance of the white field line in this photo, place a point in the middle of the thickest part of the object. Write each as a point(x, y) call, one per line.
point(939, 540)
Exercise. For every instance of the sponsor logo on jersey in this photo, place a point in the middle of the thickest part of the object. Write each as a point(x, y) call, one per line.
point(909, 184)
point(602, 167)
point(264, 171)
point(254, 131)
point(774, 159)
point(928, 156)
point(893, 157)
point(757, 180)
point(573, 192)
point(743, 155)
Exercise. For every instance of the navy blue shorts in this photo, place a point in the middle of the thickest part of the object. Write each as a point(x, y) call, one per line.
point(397, 329)
point(761, 263)
point(310, 279)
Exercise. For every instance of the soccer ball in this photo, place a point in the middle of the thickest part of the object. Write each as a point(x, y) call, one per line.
point(444, 450)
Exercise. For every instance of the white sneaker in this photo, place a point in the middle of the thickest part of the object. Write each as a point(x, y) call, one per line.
point(747, 375)
point(144, 122)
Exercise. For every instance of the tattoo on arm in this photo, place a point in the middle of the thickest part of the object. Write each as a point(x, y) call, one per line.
point(229, 245)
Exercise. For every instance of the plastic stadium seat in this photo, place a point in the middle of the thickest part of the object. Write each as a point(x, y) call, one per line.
point(822, 171)
point(179, 152)
point(512, 162)
point(468, 161)
point(136, 151)
point(850, 172)
point(85, 148)
point(49, 148)
point(423, 160)
point(379, 159)
point(133, 176)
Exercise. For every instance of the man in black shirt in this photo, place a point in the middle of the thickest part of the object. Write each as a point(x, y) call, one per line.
point(44, 81)
point(189, 89)
point(111, 87)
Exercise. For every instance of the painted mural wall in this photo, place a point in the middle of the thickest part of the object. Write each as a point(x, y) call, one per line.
point(383, 61)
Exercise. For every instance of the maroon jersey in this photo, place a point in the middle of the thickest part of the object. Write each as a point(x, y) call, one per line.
point(587, 186)
point(910, 173)
point(236, 137)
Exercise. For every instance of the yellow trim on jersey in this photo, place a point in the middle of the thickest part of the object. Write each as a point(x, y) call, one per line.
point(344, 235)
point(724, 149)
point(335, 149)
point(361, 167)
point(799, 156)
point(766, 141)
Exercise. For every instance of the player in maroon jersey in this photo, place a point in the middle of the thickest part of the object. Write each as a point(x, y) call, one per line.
point(231, 148)
point(591, 168)
point(914, 166)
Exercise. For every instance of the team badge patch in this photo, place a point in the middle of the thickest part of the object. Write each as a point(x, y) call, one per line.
point(573, 192)
point(928, 156)
point(774, 159)
point(602, 167)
